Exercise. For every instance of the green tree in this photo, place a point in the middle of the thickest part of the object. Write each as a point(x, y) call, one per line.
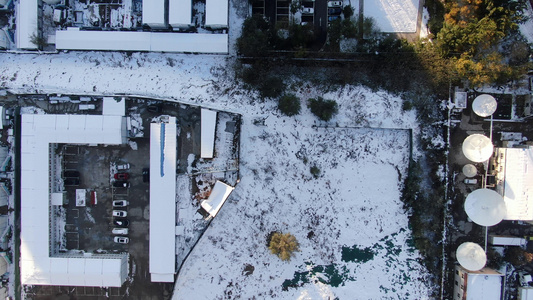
point(323, 109)
point(255, 37)
point(289, 104)
point(283, 245)
point(271, 87)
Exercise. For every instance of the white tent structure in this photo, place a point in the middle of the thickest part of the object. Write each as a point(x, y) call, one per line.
point(477, 148)
point(28, 12)
point(471, 256)
point(485, 207)
point(114, 107)
point(153, 13)
point(216, 14)
point(217, 198)
point(180, 13)
point(40, 260)
point(484, 105)
point(163, 157)
point(207, 132)
point(469, 170)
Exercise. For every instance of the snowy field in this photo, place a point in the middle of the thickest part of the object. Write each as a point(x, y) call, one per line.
point(393, 15)
point(349, 221)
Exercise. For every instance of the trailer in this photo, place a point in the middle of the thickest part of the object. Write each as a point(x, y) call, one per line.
point(506, 240)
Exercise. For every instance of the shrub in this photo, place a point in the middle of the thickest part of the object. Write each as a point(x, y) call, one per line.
point(289, 105)
point(283, 245)
point(315, 171)
point(271, 87)
point(323, 109)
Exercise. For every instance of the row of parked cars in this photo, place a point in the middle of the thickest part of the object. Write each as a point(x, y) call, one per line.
point(119, 220)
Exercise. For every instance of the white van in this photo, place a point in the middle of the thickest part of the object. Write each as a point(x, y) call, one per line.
point(123, 231)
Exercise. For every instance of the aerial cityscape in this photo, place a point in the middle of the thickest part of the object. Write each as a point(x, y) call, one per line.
point(266, 149)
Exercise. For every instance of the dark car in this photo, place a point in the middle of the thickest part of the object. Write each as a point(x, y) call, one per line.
point(146, 175)
point(121, 222)
point(121, 183)
point(71, 181)
point(122, 176)
point(155, 108)
point(333, 18)
point(334, 11)
point(71, 173)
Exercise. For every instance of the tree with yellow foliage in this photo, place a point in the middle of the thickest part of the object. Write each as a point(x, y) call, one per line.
point(283, 245)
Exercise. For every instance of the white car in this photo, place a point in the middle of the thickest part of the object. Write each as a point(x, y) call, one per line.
point(308, 10)
point(123, 167)
point(120, 203)
point(120, 213)
point(334, 3)
point(123, 231)
point(121, 240)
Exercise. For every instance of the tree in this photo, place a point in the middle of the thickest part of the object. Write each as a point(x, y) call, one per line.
point(283, 245)
point(254, 40)
point(271, 87)
point(323, 109)
point(289, 105)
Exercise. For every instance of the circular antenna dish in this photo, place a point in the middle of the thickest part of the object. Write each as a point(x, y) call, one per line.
point(470, 170)
point(477, 148)
point(484, 105)
point(471, 256)
point(485, 207)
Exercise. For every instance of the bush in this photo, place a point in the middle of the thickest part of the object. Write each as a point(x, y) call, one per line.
point(283, 245)
point(289, 105)
point(271, 87)
point(315, 171)
point(323, 109)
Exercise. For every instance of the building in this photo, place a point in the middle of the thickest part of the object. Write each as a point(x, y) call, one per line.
point(484, 284)
point(513, 171)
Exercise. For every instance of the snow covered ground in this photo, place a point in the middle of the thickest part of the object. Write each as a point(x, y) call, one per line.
point(393, 15)
point(349, 221)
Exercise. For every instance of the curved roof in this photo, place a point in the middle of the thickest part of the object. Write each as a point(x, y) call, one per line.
point(469, 170)
point(485, 207)
point(477, 148)
point(471, 256)
point(484, 105)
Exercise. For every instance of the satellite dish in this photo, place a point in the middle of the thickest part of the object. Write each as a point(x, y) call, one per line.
point(469, 170)
point(485, 207)
point(471, 256)
point(477, 148)
point(484, 105)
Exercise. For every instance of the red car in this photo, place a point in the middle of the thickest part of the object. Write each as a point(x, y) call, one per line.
point(122, 176)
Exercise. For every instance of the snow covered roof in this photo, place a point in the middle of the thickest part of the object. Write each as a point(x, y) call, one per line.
point(517, 184)
point(153, 13)
point(163, 156)
point(141, 41)
point(525, 293)
point(114, 107)
point(180, 13)
point(393, 15)
point(37, 265)
point(207, 134)
point(483, 284)
point(216, 13)
point(27, 20)
point(218, 196)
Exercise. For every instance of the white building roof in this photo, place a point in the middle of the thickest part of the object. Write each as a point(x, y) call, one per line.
point(76, 39)
point(485, 284)
point(27, 20)
point(114, 107)
point(208, 125)
point(216, 13)
point(180, 13)
point(163, 156)
point(36, 264)
point(517, 185)
point(525, 293)
point(153, 13)
point(216, 199)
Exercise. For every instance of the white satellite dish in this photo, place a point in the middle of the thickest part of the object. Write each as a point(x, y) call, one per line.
point(477, 148)
point(485, 207)
point(484, 105)
point(471, 256)
point(469, 170)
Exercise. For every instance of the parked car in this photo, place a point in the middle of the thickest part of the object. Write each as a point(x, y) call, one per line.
point(333, 18)
point(71, 173)
point(71, 181)
point(122, 176)
point(146, 175)
point(121, 240)
point(123, 167)
point(121, 222)
point(123, 231)
point(308, 10)
point(470, 181)
point(334, 3)
point(121, 183)
point(120, 213)
point(155, 108)
point(120, 203)
point(524, 279)
point(334, 11)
